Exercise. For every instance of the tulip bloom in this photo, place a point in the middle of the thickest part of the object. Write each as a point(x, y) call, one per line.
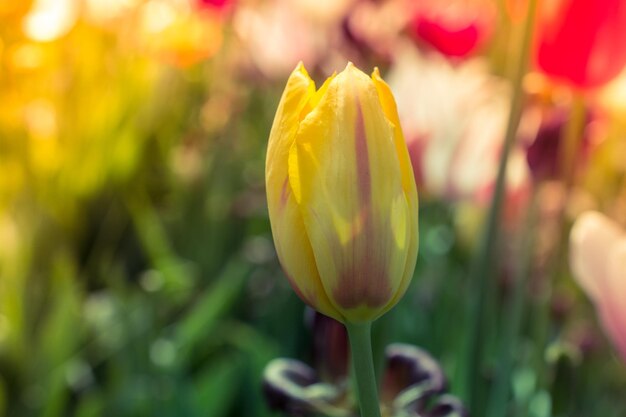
point(582, 42)
point(598, 261)
point(214, 4)
point(455, 29)
point(341, 194)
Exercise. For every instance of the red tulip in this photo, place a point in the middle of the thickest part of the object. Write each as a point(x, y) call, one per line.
point(217, 5)
point(456, 30)
point(582, 42)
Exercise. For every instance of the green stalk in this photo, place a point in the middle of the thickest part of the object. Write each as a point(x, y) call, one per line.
point(363, 364)
point(568, 151)
point(482, 269)
point(499, 397)
point(571, 140)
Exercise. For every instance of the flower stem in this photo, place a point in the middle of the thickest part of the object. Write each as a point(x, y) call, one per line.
point(572, 139)
point(482, 268)
point(363, 363)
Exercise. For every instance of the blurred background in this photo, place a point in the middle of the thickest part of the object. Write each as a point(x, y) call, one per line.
point(138, 275)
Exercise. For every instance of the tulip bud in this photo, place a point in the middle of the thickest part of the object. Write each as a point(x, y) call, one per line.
point(341, 194)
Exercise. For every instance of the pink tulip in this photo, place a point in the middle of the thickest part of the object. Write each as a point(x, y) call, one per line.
point(598, 262)
point(454, 119)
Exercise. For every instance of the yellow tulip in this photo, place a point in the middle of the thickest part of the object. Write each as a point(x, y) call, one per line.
point(341, 194)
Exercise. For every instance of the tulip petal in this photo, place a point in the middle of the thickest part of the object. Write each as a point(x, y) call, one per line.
point(591, 237)
point(290, 238)
point(408, 178)
point(598, 262)
point(345, 175)
point(615, 309)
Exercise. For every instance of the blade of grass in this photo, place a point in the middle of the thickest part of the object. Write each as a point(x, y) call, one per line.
point(511, 326)
point(214, 302)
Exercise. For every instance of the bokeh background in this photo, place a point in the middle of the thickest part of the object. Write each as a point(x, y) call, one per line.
point(137, 270)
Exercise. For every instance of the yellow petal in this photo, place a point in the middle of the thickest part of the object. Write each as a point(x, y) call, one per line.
point(290, 238)
point(345, 175)
point(408, 178)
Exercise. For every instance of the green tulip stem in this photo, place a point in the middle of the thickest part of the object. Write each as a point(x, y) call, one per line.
point(363, 364)
point(483, 266)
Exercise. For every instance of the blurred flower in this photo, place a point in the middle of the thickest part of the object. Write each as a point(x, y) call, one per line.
point(26, 56)
point(410, 366)
point(341, 194)
point(330, 346)
point(324, 11)
point(581, 42)
point(294, 388)
point(454, 28)
point(103, 12)
point(215, 5)
point(613, 96)
point(412, 385)
point(157, 15)
point(598, 262)
point(50, 19)
point(454, 120)
point(377, 26)
point(544, 140)
point(297, 389)
point(179, 35)
point(276, 37)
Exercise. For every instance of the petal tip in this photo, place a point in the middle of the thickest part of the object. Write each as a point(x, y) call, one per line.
point(301, 69)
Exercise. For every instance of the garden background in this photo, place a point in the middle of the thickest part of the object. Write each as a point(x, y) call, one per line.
point(138, 275)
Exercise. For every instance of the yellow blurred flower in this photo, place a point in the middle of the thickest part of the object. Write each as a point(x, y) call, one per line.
point(341, 194)
point(613, 96)
point(49, 20)
point(180, 35)
point(23, 57)
point(106, 12)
